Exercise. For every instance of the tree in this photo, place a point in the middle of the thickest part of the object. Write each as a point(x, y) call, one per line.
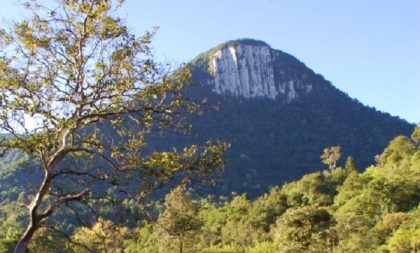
point(178, 221)
point(146, 240)
point(398, 149)
point(305, 229)
point(350, 164)
point(331, 156)
point(405, 240)
point(78, 94)
point(415, 136)
point(48, 241)
point(104, 236)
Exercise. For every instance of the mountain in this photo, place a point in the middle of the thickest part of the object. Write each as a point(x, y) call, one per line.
point(279, 115)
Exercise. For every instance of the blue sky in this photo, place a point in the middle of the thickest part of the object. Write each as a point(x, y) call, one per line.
point(368, 49)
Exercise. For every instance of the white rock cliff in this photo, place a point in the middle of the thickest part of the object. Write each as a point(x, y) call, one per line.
point(246, 70)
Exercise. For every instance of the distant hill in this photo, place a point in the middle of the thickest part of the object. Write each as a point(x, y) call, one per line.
point(279, 116)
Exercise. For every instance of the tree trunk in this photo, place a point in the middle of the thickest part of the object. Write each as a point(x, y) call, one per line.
point(35, 218)
point(22, 245)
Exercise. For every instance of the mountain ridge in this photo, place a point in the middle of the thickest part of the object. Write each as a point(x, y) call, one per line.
point(279, 138)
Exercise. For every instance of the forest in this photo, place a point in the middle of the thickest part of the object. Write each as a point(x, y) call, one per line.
point(338, 209)
point(81, 99)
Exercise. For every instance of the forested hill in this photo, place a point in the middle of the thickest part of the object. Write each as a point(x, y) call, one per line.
point(279, 115)
point(335, 210)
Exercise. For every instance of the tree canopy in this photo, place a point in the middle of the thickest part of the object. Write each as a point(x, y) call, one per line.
point(78, 94)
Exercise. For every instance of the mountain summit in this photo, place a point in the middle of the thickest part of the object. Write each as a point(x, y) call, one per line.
point(252, 69)
point(279, 115)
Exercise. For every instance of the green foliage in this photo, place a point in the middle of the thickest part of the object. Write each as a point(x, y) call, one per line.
point(331, 156)
point(350, 164)
point(222, 249)
point(339, 210)
point(9, 237)
point(104, 236)
point(146, 241)
point(304, 229)
point(399, 149)
point(228, 224)
point(371, 206)
point(405, 240)
point(7, 246)
point(315, 188)
point(177, 225)
point(48, 241)
point(265, 211)
point(78, 94)
point(264, 247)
point(415, 136)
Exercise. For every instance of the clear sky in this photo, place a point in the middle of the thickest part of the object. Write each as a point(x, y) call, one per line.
point(369, 49)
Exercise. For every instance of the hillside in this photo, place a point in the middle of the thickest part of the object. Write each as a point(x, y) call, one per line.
point(337, 210)
point(279, 115)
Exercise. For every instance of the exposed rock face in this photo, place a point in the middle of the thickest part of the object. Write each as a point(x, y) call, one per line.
point(251, 71)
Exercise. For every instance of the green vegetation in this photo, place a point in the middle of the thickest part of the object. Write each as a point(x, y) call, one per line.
point(78, 94)
point(275, 141)
point(87, 173)
point(336, 210)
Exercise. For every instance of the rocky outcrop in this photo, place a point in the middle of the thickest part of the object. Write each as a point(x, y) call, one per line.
point(249, 70)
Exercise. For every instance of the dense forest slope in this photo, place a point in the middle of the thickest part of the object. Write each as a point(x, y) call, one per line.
point(338, 210)
point(334, 210)
point(279, 115)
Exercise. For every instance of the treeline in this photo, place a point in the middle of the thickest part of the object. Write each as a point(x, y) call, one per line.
point(336, 210)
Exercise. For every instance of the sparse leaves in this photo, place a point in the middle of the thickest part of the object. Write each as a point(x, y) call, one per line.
point(331, 156)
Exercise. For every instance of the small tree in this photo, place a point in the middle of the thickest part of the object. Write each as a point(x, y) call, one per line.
point(415, 136)
point(179, 221)
point(331, 156)
point(305, 229)
point(78, 94)
point(104, 236)
point(350, 164)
